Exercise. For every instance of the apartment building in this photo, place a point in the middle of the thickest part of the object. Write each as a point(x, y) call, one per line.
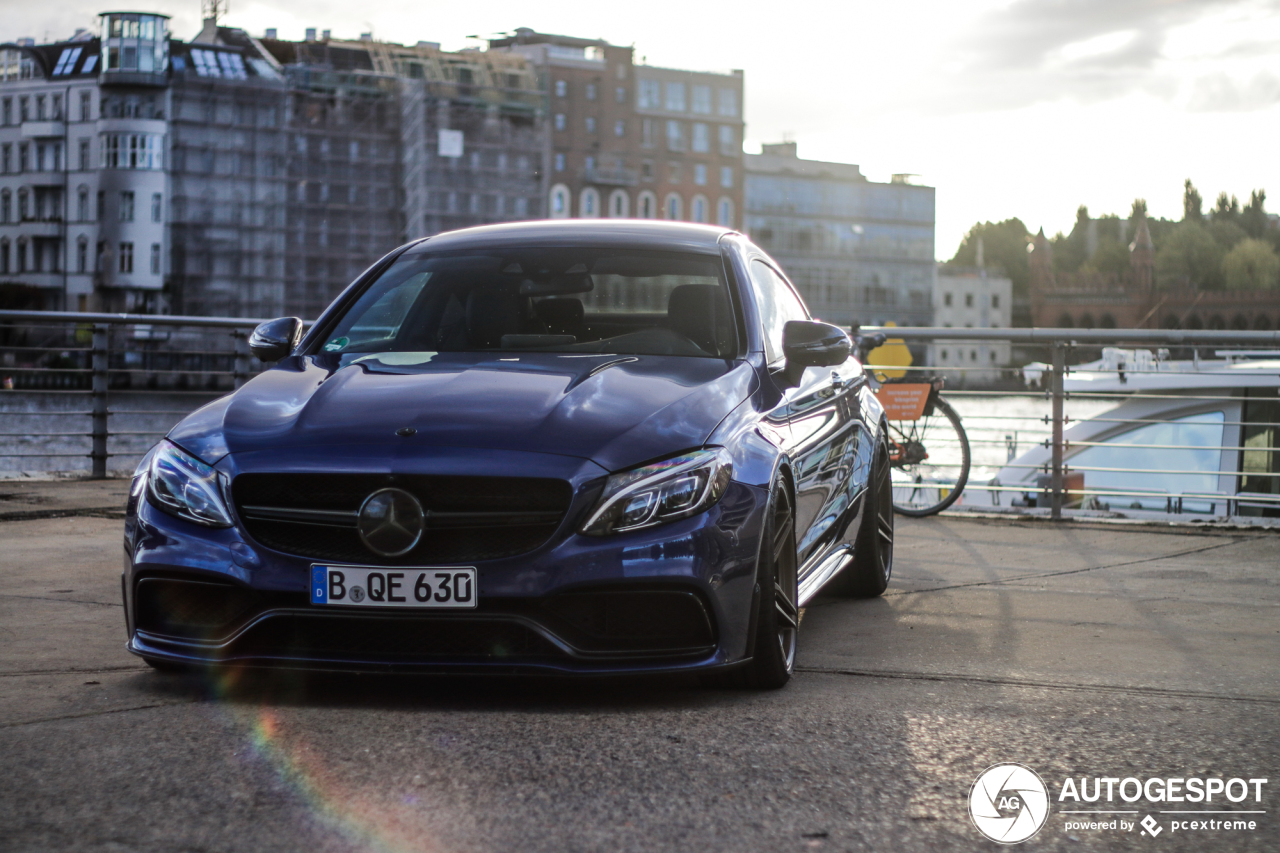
point(860, 251)
point(971, 298)
point(633, 140)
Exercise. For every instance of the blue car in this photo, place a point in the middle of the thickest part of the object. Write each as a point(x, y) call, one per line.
point(584, 447)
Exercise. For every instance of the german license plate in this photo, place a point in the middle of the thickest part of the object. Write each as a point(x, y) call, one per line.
point(421, 587)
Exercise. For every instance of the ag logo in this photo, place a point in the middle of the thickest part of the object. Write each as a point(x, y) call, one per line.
point(1009, 803)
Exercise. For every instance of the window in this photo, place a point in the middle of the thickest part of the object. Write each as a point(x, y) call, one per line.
point(67, 61)
point(82, 205)
point(619, 204)
point(620, 128)
point(216, 63)
point(40, 115)
point(1196, 457)
point(728, 103)
point(132, 151)
point(560, 121)
point(559, 162)
point(7, 109)
point(23, 148)
point(591, 124)
point(85, 105)
point(155, 259)
point(701, 138)
point(620, 93)
point(649, 95)
point(6, 204)
point(157, 207)
point(591, 91)
point(675, 97)
point(777, 305)
point(102, 206)
point(724, 213)
point(24, 108)
point(701, 101)
point(646, 132)
point(57, 108)
point(6, 157)
point(699, 208)
point(946, 299)
point(23, 199)
point(673, 171)
point(968, 300)
point(84, 155)
point(126, 207)
point(562, 88)
point(647, 205)
point(589, 203)
point(82, 255)
point(559, 201)
point(726, 176)
point(673, 209)
point(727, 144)
point(675, 136)
point(700, 174)
point(22, 254)
point(126, 257)
point(995, 300)
point(1258, 462)
point(4, 256)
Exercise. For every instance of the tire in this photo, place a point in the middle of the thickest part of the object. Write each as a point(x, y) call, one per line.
point(949, 430)
point(166, 666)
point(777, 617)
point(868, 575)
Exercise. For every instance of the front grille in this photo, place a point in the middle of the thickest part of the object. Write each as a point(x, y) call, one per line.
point(390, 638)
point(469, 518)
point(637, 620)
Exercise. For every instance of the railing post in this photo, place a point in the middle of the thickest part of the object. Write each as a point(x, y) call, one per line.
point(240, 369)
point(98, 453)
point(1056, 390)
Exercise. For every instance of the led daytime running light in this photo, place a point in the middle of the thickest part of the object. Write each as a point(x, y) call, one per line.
point(663, 492)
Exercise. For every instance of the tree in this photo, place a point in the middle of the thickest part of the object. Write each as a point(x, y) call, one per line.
point(1192, 203)
point(1253, 218)
point(1139, 210)
point(1251, 265)
point(1227, 209)
point(1189, 255)
point(1226, 232)
point(1004, 246)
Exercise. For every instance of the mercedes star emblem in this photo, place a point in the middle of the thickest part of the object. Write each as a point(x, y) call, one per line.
point(391, 522)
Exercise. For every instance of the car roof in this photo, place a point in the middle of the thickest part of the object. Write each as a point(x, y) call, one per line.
point(632, 233)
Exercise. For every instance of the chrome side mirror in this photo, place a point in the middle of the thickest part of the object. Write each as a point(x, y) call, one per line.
point(275, 339)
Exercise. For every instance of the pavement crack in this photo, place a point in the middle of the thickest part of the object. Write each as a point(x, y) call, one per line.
point(67, 600)
point(27, 673)
point(1154, 692)
point(19, 723)
point(1038, 575)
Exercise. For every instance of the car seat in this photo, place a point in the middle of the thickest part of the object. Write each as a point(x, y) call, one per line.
point(701, 313)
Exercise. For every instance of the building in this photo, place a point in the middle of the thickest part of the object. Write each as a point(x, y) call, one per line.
point(858, 250)
point(630, 140)
point(970, 298)
point(1090, 300)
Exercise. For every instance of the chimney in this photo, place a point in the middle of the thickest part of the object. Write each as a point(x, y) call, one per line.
point(981, 262)
point(311, 33)
point(272, 34)
point(366, 37)
point(326, 35)
point(780, 149)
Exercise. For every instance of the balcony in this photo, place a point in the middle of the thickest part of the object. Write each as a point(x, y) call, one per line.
point(43, 129)
point(47, 226)
point(619, 177)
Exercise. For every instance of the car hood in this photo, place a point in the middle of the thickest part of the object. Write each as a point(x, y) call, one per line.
point(617, 411)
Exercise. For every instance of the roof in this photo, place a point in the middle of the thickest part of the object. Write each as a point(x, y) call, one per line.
point(637, 233)
point(781, 164)
point(63, 60)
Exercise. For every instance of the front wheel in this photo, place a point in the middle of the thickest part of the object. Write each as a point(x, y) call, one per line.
point(930, 461)
point(777, 615)
point(868, 575)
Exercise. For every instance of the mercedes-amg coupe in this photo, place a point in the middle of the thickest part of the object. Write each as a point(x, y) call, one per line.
point(569, 447)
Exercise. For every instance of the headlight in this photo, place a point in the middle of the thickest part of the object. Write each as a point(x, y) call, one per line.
point(665, 491)
point(182, 485)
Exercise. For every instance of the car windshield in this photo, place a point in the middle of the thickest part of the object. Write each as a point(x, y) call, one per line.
point(624, 301)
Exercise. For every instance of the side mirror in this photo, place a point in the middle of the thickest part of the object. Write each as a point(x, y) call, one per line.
point(806, 343)
point(275, 339)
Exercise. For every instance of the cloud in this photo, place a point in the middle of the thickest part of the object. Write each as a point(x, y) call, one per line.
point(1220, 93)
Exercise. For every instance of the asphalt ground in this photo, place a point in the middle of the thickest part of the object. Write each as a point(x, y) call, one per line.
point(1078, 650)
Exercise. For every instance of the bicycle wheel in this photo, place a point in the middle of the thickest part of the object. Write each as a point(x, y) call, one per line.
point(929, 458)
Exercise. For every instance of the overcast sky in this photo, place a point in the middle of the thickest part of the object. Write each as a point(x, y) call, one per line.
point(1027, 108)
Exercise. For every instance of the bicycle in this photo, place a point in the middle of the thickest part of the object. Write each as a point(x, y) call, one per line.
point(928, 447)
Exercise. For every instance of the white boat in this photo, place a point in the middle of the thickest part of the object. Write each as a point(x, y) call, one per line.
point(1194, 436)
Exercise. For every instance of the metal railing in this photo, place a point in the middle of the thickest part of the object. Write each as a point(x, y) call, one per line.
point(46, 356)
point(93, 391)
point(1174, 371)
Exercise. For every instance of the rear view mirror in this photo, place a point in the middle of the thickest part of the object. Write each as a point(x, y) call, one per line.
point(807, 343)
point(561, 284)
point(275, 339)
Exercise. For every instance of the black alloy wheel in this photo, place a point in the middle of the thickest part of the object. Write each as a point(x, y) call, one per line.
point(872, 566)
point(777, 618)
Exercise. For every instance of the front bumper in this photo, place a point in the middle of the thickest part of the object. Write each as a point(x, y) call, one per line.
point(672, 598)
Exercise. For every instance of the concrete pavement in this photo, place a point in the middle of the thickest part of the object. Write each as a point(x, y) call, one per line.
point(1077, 650)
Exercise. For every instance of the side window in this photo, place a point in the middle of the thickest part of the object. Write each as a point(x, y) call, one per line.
point(778, 304)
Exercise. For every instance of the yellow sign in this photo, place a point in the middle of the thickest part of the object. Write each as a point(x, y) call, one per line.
point(894, 353)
